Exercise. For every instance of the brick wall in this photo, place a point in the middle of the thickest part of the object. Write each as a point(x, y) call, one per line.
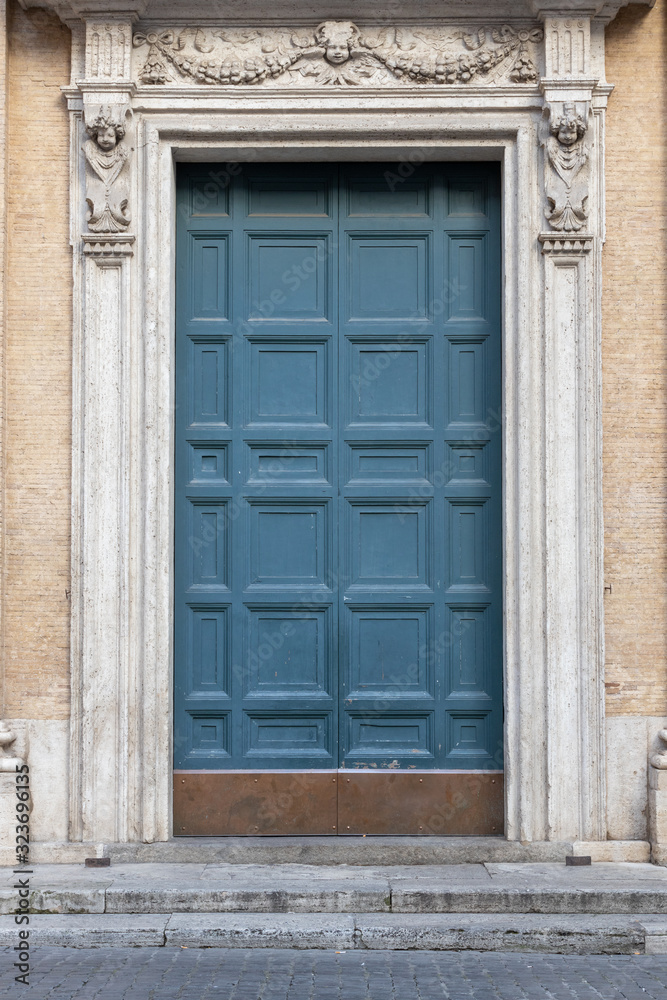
point(634, 349)
point(35, 582)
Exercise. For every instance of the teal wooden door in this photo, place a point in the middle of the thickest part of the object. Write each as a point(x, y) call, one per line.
point(338, 576)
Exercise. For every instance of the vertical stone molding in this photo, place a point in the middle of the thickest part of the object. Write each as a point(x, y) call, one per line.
point(657, 802)
point(570, 246)
point(102, 683)
point(574, 661)
point(101, 707)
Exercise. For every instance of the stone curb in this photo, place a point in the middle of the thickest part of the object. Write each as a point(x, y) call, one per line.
point(615, 934)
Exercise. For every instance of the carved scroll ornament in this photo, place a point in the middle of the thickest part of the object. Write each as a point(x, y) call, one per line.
point(659, 759)
point(106, 185)
point(566, 167)
point(338, 53)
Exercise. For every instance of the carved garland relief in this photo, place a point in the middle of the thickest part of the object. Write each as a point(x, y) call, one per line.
point(338, 53)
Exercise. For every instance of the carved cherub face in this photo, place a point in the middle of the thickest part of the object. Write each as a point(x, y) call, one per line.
point(568, 133)
point(570, 127)
point(106, 138)
point(106, 132)
point(337, 40)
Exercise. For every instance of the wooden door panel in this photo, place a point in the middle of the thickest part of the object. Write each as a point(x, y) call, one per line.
point(338, 459)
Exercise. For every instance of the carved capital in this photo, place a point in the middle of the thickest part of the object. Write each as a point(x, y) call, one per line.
point(557, 245)
point(567, 46)
point(659, 759)
point(108, 48)
point(566, 165)
point(338, 53)
point(108, 246)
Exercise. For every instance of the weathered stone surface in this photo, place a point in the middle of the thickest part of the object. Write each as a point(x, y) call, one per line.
point(254, 930)
point(574, 935)
point(549, 933)
point(613, 850)
point(339, 850)
point(88, 930)
point(493, 888)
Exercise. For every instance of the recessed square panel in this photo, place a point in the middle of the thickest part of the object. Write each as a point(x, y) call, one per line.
point(288, 544)
point(297, 198)
point(376, 735)
point(375, 464)
point(389, 196)
point(208, 464)
point(467, 736)
point(288, 382)
point(467, 464)
point(209, 736)
point(466, 289)
point(468, 544)
point(388, 277)
point(209, 278)
point(467, 198)
point(208, 663)
point(466, 382)
point(209, 386)
point(389, 382)
point(209, 193)
point(208, 544)
point(388, 650)
point(296, 464)
point(389, 544)
point(289, 653)
point(469, 648)
point(289, 277)
point(287, 736)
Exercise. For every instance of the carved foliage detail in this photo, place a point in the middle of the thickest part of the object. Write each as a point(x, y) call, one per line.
point(339, 53)
point(106, 189)
point(566, 167)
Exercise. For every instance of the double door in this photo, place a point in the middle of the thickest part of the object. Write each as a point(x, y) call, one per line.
point(338, 575)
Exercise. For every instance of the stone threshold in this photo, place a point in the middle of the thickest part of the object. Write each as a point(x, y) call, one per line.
point(614, 934)
point(491, 888)
point(335, 850)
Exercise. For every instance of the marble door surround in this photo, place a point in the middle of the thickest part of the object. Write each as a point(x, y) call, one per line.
point(520, 83)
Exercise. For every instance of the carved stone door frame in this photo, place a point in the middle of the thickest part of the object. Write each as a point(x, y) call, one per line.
point(121, 752)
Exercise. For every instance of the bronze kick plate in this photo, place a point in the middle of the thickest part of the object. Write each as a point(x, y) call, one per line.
point(318, 803)
point(410, 803)
point(255, 804)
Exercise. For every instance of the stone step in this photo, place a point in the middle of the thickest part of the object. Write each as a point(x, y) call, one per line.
point(603, 888)
point(616, 934)
point(334, 851)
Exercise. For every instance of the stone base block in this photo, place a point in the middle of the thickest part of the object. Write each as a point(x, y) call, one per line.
point(613, 850)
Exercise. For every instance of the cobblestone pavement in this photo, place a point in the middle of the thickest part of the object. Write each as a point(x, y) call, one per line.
point(202, 974)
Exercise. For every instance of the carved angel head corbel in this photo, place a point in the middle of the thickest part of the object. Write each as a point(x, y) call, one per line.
point(107, 127)
point(568, 122)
